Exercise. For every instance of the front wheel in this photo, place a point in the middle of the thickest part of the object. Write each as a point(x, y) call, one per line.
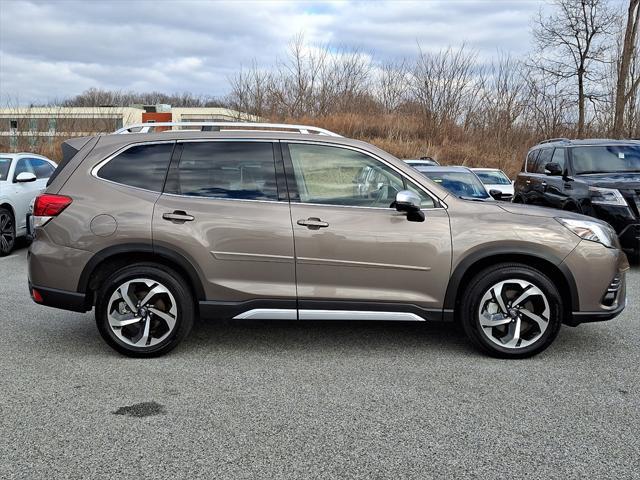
point(511, 311)
point(144, 310)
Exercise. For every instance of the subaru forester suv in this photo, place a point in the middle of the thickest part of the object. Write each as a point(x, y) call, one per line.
point(599, 178)
point(265, 221)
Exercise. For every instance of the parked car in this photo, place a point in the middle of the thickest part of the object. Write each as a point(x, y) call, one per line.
point(460, 181)
point(22, 177)
point(599, 178)
point(154, 229)
point(495, 179)
point(422, 162)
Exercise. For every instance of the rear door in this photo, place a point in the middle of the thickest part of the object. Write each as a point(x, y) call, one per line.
point(356, 256)
point(223, 210)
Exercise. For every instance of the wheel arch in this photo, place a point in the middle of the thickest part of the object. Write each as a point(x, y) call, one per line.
point(559, 274)
point(107, 261)
point(7, 206)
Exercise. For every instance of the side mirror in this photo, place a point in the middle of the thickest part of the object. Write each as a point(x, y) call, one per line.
point(496, 194)
point(409, 202)
point(25, 177)
point(553, 168)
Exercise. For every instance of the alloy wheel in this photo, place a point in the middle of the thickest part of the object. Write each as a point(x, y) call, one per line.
point(142, 312)
point(7, 233)
point(514, 313)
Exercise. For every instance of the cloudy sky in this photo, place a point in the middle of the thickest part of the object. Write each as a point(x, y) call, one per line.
point(54, 49)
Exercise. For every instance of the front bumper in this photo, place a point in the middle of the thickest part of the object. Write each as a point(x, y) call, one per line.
point(598, 272)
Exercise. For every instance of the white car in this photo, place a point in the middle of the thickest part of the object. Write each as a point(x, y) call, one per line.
point(495, 179)
point(23, 176)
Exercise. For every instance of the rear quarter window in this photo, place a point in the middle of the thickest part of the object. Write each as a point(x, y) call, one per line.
point(140, 166)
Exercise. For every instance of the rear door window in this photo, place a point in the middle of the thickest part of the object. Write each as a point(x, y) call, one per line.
point(5, 164)
point(141, 166)
point(232, 170)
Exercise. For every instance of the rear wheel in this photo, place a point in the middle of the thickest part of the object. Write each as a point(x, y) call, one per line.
point(7, 232)
point(144, 310)
point(511, 311)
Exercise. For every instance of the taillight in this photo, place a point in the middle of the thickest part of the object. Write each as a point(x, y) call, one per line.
point(48, 205)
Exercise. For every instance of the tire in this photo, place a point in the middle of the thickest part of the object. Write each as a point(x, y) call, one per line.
point(517, 199)
point(7, 232)
point(150, 329)
point(503, 322)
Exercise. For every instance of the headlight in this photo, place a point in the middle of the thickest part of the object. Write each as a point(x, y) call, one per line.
point(607, 196)
point(592, 231)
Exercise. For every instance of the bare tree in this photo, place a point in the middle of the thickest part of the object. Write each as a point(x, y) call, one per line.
point(572, 44)
point(440, 85)
point(629, 46)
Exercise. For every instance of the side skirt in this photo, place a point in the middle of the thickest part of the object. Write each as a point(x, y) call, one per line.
point(266, 309)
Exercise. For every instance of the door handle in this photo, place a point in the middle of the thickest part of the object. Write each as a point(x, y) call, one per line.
point(178, 216)
point(312, 223)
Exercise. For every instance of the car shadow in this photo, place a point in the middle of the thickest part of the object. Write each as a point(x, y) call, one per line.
point(324, 335)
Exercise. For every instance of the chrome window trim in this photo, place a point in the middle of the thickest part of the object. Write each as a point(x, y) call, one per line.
point(433, 197)
point(96, 168)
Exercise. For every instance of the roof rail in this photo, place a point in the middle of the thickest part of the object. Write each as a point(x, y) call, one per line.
point(217, 126)
point(559, 139)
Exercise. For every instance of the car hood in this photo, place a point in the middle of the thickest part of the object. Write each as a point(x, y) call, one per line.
point(519, 209)
point(612, 180)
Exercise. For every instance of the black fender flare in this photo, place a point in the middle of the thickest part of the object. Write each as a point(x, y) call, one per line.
point(178, 258)
point(502, 253)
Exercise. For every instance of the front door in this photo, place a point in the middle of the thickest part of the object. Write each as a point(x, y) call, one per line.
point(222, 210)
point(356, 257)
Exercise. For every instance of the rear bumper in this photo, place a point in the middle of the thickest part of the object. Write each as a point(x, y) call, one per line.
point(65, 300)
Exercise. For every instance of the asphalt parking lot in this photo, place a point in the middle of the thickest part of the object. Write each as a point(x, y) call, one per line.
point(312, 400)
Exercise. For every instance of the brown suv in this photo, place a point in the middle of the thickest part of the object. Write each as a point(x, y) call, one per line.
point(254, 222)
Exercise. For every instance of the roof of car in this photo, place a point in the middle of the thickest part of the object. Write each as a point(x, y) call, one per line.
point(567, 142)
point(22, 154)
point(485, 169)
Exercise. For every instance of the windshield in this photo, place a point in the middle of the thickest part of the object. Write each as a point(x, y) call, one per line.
point(493, 178)
point(461, 184)
point(5, 163)
point(606, 159)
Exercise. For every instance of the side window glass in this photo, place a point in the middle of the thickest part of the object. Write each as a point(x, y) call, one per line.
point(558, 157)
point(141, 166)
point(340, 176)
point(235, 170)
point(22, 166)
point(531, 161)
point(425, 200)
point(41, 168)
point(545, 157)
